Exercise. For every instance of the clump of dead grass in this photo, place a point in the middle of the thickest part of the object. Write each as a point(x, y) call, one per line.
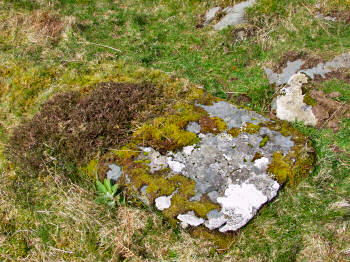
point(39, 27)
point(60, 220)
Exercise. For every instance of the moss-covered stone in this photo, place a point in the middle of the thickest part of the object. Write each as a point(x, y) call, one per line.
point(299, 162)
point(250, 128)
point(234, 131)
point(281, 168)
point(264, 141)
point(309, 100)
point(168, 132)
point(213, 125)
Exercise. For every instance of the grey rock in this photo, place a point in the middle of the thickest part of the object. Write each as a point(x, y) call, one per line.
point(213, 195)
point(114, 172)
point(235, 15)
point(233, 116)
point(283, 78)
point(222, 168)
point(328, 18)
point(210, 15)
point(193, 127)
point(341, 61)
point(143, 189)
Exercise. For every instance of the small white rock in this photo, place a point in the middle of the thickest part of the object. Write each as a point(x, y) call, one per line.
point(190, 219)
point(261, 163)
point(175, 166)
point(188, 150)
point(163, 202)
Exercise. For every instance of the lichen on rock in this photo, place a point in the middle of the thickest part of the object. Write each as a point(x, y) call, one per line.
point(227, 174)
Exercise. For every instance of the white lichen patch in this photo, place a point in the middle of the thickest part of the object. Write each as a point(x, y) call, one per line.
point(114, 172)
point(290, 104)
point(163, 202)
point(240, 204)
point(190, 219)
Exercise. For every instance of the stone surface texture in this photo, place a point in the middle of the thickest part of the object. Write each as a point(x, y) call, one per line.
point(220, 178)
point(114, 173)
point(224, 169)
point(290, 104)
point(210, 15)
point(234, 15)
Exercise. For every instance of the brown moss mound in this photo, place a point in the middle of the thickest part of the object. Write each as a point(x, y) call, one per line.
point(71, 127)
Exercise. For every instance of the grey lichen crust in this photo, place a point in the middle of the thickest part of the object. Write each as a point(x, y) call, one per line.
point(225, 168)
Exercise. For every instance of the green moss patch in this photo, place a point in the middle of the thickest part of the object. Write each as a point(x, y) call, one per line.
point(298, 164)
point(250, 128)
point(167, 132)
point(264, 141)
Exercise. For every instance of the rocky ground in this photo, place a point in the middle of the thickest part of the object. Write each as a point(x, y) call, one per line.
point(224, 123)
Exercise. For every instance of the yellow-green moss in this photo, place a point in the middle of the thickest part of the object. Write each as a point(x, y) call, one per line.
point(264, 141)
point(291, 169)
point(127, 151)
point(221, 241)
point(250, 128)
point(180, 204)
point(281, 167)
point(168, 132)
point(90, 170)
point(309, 100)
point(234, 131)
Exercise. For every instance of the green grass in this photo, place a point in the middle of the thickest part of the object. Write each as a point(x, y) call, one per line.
point(51, 218)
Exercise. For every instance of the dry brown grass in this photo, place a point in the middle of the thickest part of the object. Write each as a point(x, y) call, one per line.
point(81, 230)
point(39, 27)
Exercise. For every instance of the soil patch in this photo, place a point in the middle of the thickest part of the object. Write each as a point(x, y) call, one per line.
point(328, 111)
point(340, 74)
point(241, 99)
point(311, 60)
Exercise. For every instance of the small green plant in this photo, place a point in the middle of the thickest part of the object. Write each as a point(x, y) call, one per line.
point(109, 194)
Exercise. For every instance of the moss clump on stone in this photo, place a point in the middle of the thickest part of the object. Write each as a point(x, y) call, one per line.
point(167, 133)
point(280, 167)
point(299, 160)
point(309, 100)
point(213, 125)
point(264, 141)
point(234, 131)
point(250, 128)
